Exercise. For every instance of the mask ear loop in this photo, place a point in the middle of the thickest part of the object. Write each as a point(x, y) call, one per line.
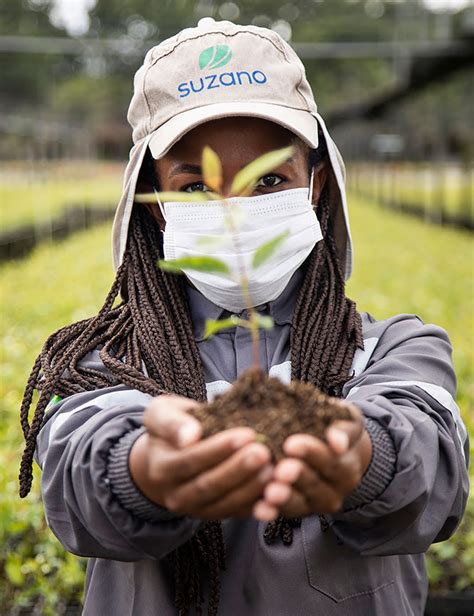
point(311, 182)
point(162, 208)
point(162, 233)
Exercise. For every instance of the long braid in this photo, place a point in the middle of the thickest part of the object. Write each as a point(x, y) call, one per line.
point(52, 379)
point(28, 397)
point(146, 342)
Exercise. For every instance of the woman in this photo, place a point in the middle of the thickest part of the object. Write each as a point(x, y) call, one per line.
point(172, 522)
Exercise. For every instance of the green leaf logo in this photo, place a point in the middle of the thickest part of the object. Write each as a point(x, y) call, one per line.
point(215, 56)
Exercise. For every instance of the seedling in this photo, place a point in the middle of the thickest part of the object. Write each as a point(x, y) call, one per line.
point(273, 409)
point(243, 185)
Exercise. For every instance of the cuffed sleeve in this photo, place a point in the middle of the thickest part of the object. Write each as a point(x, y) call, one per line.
point(73, 450)
point(123, 486)
point(381, 468)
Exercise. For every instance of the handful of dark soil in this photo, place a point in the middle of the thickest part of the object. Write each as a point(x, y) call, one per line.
point(271, 408)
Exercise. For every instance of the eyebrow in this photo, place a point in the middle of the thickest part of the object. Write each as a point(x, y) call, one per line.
point(196, 169)
point(185, 168)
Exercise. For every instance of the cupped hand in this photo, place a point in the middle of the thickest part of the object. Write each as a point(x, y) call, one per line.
point(317, 476)
point(217, 477)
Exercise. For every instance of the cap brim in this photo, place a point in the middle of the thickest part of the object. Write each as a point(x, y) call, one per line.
point(300, 122)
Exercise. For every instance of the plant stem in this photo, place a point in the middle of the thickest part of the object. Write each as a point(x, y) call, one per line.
point(253, 322)
point(244, 284)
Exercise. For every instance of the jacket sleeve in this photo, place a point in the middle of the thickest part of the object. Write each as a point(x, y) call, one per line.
point(408, 389)
point(90, 501)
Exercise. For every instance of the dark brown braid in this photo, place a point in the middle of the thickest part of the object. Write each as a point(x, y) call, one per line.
point(146, 342)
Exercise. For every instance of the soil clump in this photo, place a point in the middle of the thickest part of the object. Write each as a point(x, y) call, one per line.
point(272, 409)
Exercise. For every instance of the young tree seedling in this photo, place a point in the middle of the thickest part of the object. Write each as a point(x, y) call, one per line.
point(243, 185)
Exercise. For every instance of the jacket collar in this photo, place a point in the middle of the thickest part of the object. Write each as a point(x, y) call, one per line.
point(280, 309)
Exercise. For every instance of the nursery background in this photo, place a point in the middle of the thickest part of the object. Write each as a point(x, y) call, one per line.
point(394, 80)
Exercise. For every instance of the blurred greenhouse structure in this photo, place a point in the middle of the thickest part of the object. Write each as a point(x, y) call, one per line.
point(405, 71)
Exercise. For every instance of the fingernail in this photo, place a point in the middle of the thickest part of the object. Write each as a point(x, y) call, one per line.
point(264, 512)
point(294, 446)
point(339, 438)
point(188, 433)
point(241, 439)
point(277, 493)
point(254, 458)
point(289, 472)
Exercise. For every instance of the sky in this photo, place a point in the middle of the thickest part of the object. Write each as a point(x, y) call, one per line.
point(72, 15)
point(446, 5)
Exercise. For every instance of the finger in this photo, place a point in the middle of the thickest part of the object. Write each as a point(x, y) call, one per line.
point(175, 466)
point(320, 496)
point(317, 454)
point(277, 494)
point(342, 473)
point(288, 470)
point(238, 502)
point(288, 500)
point(264, 512)
point(354, 410)
point(342, 435)
point(297, 506)
point(168, 418)
point(218, 481)
point(312, 450)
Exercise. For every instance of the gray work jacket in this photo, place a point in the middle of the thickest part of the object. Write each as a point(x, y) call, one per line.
point(371, 559)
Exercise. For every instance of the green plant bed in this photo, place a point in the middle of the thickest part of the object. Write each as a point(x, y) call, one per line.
point(450, 604)
point(42, 192)
point(49, 289)
point(434, 189)
point(401, 265)
point(410, 266)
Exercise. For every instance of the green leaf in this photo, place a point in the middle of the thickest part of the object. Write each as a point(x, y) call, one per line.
point(212, 326)
point(169, 266)
point(145, 198)
point(211, 169)
point(262, 165)
point(209, 242)
point(181, 196)
point(13, 570)
point(266, 250)
point(199, 264)
point(435, 571)
point(446, 550)
point(55, 399)
point(213, 196)
point(264, 322)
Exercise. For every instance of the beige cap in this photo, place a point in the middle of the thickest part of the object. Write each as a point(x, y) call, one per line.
point(216, 70)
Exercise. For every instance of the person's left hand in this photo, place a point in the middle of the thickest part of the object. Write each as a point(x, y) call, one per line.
point(317, 476)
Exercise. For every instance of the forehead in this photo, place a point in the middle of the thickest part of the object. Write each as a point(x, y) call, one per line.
point(234, 136)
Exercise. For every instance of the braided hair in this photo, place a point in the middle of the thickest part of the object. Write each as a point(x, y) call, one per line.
point(144, 346)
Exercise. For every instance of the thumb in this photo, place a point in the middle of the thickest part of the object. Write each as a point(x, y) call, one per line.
point(342, 434)
point(167, 418)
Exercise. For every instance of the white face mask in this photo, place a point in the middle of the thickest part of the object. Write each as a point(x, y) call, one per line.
point(189, 226)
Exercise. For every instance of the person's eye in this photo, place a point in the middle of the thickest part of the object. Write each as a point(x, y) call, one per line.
point(269, 181)
point(195, 186)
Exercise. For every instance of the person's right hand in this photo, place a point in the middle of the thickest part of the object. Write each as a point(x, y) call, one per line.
point(218, 477)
